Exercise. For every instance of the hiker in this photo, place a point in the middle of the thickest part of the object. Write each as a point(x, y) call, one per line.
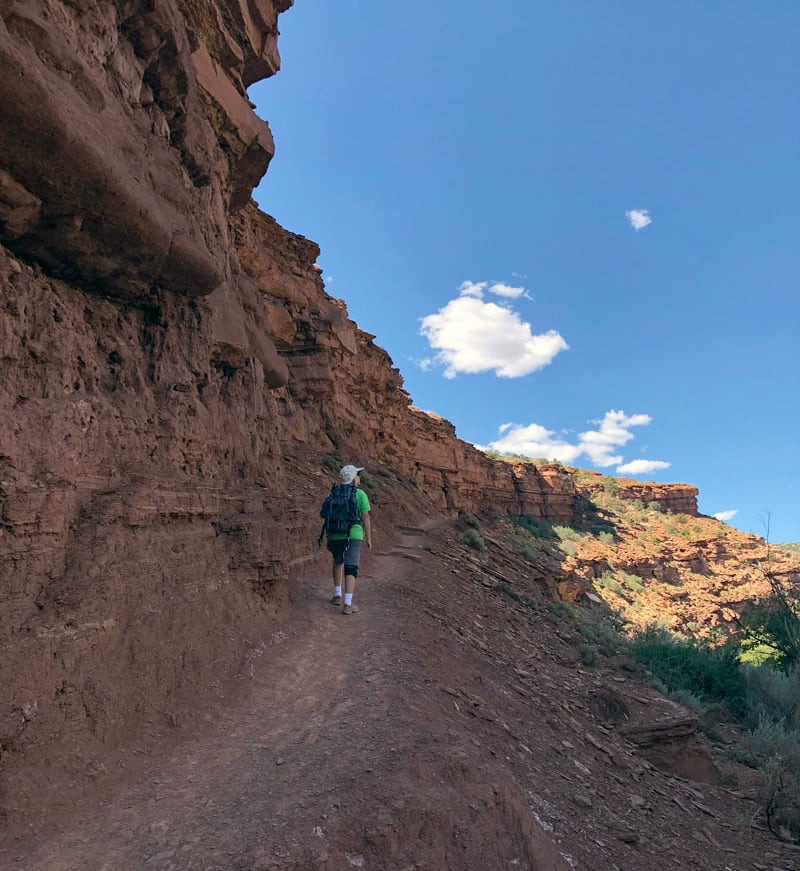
point(347, 524)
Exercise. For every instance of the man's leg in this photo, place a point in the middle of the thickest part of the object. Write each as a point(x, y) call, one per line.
point(351, 559)
point(337, 571)
point(338, 575)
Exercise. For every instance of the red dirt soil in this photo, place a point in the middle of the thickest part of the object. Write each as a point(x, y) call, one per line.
point(446, 725)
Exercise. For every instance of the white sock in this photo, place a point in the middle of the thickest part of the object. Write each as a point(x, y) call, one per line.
point(348, 598)
point(337, 591)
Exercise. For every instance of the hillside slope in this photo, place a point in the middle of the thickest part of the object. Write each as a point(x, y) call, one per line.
point(175, 388)
point(450, 724)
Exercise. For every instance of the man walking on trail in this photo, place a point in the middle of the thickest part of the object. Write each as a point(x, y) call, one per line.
point(345, 547)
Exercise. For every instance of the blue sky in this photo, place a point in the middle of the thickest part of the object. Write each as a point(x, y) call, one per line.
point(574, 226)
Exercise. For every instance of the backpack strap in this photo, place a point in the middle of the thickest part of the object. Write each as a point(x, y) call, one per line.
point(324, 523)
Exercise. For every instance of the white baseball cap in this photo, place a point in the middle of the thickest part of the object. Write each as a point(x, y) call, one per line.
point(348, 473)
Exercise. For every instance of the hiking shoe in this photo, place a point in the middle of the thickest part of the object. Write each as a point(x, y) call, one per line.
point(349, 609)
point(336, 600)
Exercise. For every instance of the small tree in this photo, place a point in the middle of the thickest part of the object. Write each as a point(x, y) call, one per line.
point(774, 623)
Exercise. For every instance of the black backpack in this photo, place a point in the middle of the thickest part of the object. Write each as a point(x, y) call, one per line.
point(340, 509)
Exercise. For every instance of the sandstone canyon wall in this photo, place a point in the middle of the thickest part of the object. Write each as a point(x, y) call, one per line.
point(172, 373)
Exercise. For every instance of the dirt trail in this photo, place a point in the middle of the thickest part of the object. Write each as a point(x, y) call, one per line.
point(319, 769)
point(449, 724)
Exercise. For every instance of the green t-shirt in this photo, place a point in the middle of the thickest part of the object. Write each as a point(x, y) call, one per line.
point(356, 530)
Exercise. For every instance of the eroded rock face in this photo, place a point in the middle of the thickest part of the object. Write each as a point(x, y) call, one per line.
point(678, 498)
point(126, 137)
point(169, 361)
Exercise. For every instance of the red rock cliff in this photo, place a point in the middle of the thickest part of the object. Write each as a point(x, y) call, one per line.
point(167, 353)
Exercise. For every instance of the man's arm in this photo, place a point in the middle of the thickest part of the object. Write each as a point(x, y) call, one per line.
point(367, 524)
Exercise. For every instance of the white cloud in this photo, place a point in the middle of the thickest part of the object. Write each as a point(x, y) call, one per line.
point(505, 290)
point(498, 288)
point(534, 440)
point(642, 467)
point(598, 445)
point(725, 516)
point(470, 335)
point(639, 218)
point(473, 288)
point(611, 433)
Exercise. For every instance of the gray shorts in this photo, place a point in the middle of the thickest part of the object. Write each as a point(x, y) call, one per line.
point(347, 551)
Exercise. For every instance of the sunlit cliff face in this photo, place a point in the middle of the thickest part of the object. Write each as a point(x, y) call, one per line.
point(126, 138)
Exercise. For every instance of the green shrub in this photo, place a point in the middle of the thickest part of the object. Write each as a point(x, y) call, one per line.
point(773, 694)
point(710, 673)
point(588, 654)
point(562, 610)
point(567, 533)
point(474, 539)
point(780, 800)
point(470, 519)
point(603, 629)
point(632, 582)
point(537, 528)
point(570, 548)
point(609, 582)
point(333, 461)
point(528, 548)
point(368, 482)
point(606, 538)
point(610, 485)
point(688, 700)
point(773, 624)
point(653, 506)
point(767, 740)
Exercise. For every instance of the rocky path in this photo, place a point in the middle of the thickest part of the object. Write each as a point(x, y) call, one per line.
point(450, 724)
point(319, 769)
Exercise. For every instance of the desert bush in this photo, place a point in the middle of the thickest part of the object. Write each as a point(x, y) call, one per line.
point(568, 539)
point(610, 485)
point(602, 628)
point(474, 539)
point(537, 528)
point(608, 581)
point(567, 533)
point(333, 461)
point(773, 694)
point(710, 673)
point(562, 610)
point(570, 548)
point(368, 482)
point(688, 700)
point(770, 739)
point(470, 519)
point(773, 625)
point(605, 538)
point(528, 548)
point(653, 506)
point(588, 654)
point(632, 582)
point(780, 800)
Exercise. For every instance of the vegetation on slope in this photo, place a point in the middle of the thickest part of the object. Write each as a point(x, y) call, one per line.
point(712, 614)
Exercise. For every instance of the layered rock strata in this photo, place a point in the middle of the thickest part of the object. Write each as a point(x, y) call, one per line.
point(167, 352)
